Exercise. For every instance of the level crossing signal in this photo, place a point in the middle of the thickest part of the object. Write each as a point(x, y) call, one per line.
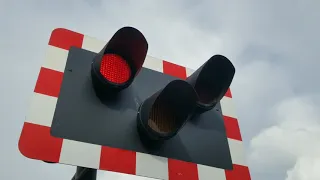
point(110, 99)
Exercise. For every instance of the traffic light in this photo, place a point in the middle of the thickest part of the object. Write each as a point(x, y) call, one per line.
point(162, 115)
point(211, 81)
point(109, 106)
point(120, 60)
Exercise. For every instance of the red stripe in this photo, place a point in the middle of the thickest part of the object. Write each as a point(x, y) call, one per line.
point(232, 128)
point(174, 70)
point(63, 38)
point(228, 93)
point(49, 82)
point(238, 173)
point(36, 142)
point(181, 170)
point(118, 160)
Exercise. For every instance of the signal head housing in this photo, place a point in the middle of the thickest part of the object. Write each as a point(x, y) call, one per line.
point(211, 81)
point(121, 59)
point(163, 114)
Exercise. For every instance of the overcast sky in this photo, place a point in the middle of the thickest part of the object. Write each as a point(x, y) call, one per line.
point(273, 44)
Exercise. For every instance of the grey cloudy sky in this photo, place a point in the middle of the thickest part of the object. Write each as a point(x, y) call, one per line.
point(273, 44)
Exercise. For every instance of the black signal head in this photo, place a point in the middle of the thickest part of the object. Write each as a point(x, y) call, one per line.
point(163, 114)
point(116, 65)
point(211, 81)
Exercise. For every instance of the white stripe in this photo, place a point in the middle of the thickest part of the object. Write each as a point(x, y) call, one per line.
point(80, 154)
point(41, 109)
point(56, 58)
point(92, 44)
point(210, 173)
point(237, 152)
point(151, 166)
point(153, 63)
point(189, 72)
point(228, 107)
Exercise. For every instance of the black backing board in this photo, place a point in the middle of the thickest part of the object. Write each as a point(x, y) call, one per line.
point(81, 116)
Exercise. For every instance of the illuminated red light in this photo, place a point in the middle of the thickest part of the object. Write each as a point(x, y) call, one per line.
point(115, 69)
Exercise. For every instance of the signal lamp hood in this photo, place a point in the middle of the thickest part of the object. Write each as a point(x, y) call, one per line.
point(162, 115)
point(116, 65)
point(211, 81)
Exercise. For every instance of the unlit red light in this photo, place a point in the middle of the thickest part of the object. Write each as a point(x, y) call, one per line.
point(115, 69)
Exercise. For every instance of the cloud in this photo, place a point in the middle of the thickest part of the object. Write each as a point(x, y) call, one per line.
point(291, 142)
point(306, 168)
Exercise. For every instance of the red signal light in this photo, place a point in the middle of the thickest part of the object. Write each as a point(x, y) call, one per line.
point(115, 69)
point(118, 63)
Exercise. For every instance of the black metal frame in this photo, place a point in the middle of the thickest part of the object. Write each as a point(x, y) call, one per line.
point(83, 173)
